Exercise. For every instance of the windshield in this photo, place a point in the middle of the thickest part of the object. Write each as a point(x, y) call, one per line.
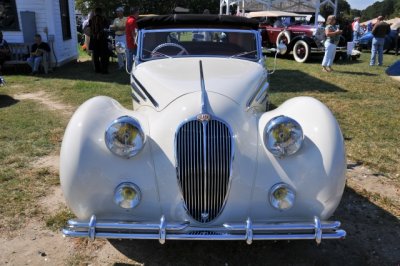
point(156, 44)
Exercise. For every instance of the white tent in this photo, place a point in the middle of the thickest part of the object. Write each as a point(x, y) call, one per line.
point(281, 5)
point(321, 19)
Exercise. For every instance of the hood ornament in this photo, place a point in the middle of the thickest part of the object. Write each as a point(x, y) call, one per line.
point(204, 116)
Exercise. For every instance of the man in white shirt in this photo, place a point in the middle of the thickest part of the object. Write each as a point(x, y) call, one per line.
point(118, 26)
point(356, 30)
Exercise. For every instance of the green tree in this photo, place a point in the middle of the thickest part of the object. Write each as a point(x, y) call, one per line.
point(148, 6)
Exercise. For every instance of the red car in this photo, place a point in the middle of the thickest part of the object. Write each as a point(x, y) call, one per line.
point(292, 29)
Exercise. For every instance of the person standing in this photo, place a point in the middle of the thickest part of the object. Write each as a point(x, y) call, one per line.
point(98, 41)
point(332, 39)
point(356, 30)
point(37, 51)
point(86, 32)
point(397, 41)
point(131, 32)
point(118, 26)
point(380, 30)
point(5, 52)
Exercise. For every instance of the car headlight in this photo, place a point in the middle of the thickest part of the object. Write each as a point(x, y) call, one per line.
point(281, 196)
point(125, 137)
point(127, 195)
point(283, 136)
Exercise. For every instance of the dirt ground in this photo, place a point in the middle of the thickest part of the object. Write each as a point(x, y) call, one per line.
point(369, 212)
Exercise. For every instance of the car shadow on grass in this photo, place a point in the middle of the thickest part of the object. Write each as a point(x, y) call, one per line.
point(356, 73)
point(373, 238)
point(6, 101)
point(84, 71)
point(299, 81)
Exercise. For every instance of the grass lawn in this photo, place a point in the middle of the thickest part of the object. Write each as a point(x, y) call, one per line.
point(363, 98)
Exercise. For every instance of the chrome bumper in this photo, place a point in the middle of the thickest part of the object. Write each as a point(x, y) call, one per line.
point(162, 231)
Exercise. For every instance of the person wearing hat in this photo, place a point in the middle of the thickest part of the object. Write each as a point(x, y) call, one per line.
point(118, 26)
point(380, 30)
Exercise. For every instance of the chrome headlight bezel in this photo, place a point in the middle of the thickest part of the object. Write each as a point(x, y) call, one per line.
point(129, 129)
point(282, 196)
point(122, 197)
point(283, 136)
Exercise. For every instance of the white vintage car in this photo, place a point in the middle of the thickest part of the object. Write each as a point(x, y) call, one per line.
point(200, 156)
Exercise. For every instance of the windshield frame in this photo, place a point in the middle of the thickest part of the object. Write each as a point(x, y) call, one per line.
point(142, 32)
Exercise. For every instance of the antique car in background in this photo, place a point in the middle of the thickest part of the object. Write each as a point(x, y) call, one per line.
point(200, 156)
point(365, 42)
point(292, 29)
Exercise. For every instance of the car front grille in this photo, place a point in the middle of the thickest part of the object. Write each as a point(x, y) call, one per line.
point(204, 156)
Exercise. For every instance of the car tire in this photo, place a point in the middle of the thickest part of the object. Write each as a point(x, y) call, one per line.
point(283, 36)
point(301, 51)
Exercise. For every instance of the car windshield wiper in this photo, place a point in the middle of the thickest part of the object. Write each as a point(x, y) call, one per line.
point(243, 53)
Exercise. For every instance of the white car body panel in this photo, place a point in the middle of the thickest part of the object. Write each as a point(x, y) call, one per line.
point(177, 77)
point(179, 90)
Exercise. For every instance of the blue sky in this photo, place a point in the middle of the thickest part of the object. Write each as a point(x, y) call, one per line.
point(361, 4)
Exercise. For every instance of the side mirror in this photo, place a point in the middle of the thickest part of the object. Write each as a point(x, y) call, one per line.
point(281, 48)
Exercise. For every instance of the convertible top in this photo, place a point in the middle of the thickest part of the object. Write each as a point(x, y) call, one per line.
point(195, 20)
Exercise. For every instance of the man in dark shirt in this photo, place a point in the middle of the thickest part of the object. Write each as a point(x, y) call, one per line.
point(4, 50)
point(98, 41)
point(380, 30)
point(38, 50)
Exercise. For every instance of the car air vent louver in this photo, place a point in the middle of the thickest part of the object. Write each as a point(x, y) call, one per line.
point(204, 157)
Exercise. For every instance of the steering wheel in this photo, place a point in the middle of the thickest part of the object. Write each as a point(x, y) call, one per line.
point(167, 44)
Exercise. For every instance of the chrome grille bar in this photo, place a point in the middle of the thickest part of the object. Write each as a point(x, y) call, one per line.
point(204, 155)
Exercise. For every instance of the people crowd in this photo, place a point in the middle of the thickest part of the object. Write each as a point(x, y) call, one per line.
point(97, 43)
point(97, 29)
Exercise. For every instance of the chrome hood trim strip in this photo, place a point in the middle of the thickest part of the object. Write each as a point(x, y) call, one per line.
point(154, 102)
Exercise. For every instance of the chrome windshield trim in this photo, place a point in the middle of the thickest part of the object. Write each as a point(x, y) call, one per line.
point(245, 231)
point(143, 32)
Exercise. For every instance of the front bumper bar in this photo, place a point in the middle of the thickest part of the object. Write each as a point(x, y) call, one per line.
point(247, 231)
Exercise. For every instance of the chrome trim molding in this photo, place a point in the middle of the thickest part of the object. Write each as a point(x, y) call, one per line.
point(204, 99)
point(148, 95)
point(259, 96)
point(137, 91)
point(246, 231)
point(135, 98)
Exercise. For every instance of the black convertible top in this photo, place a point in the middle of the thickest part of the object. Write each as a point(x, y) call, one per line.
point(195, 20)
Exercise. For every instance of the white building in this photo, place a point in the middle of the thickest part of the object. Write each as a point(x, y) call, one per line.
point(54, 20)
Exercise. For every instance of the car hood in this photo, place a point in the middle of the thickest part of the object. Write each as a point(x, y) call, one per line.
point(165, 80)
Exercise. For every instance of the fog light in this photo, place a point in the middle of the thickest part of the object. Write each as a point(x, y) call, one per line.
point(127, 195)
point(281, 196)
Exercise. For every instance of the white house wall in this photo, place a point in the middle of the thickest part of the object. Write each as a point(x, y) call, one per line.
point(47, 13)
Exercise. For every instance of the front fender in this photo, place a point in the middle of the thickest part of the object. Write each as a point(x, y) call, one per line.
point(316, 171)
point(89, 172)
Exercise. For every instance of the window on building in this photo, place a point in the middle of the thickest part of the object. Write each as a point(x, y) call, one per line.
point(8, 16)
point(65, 19)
